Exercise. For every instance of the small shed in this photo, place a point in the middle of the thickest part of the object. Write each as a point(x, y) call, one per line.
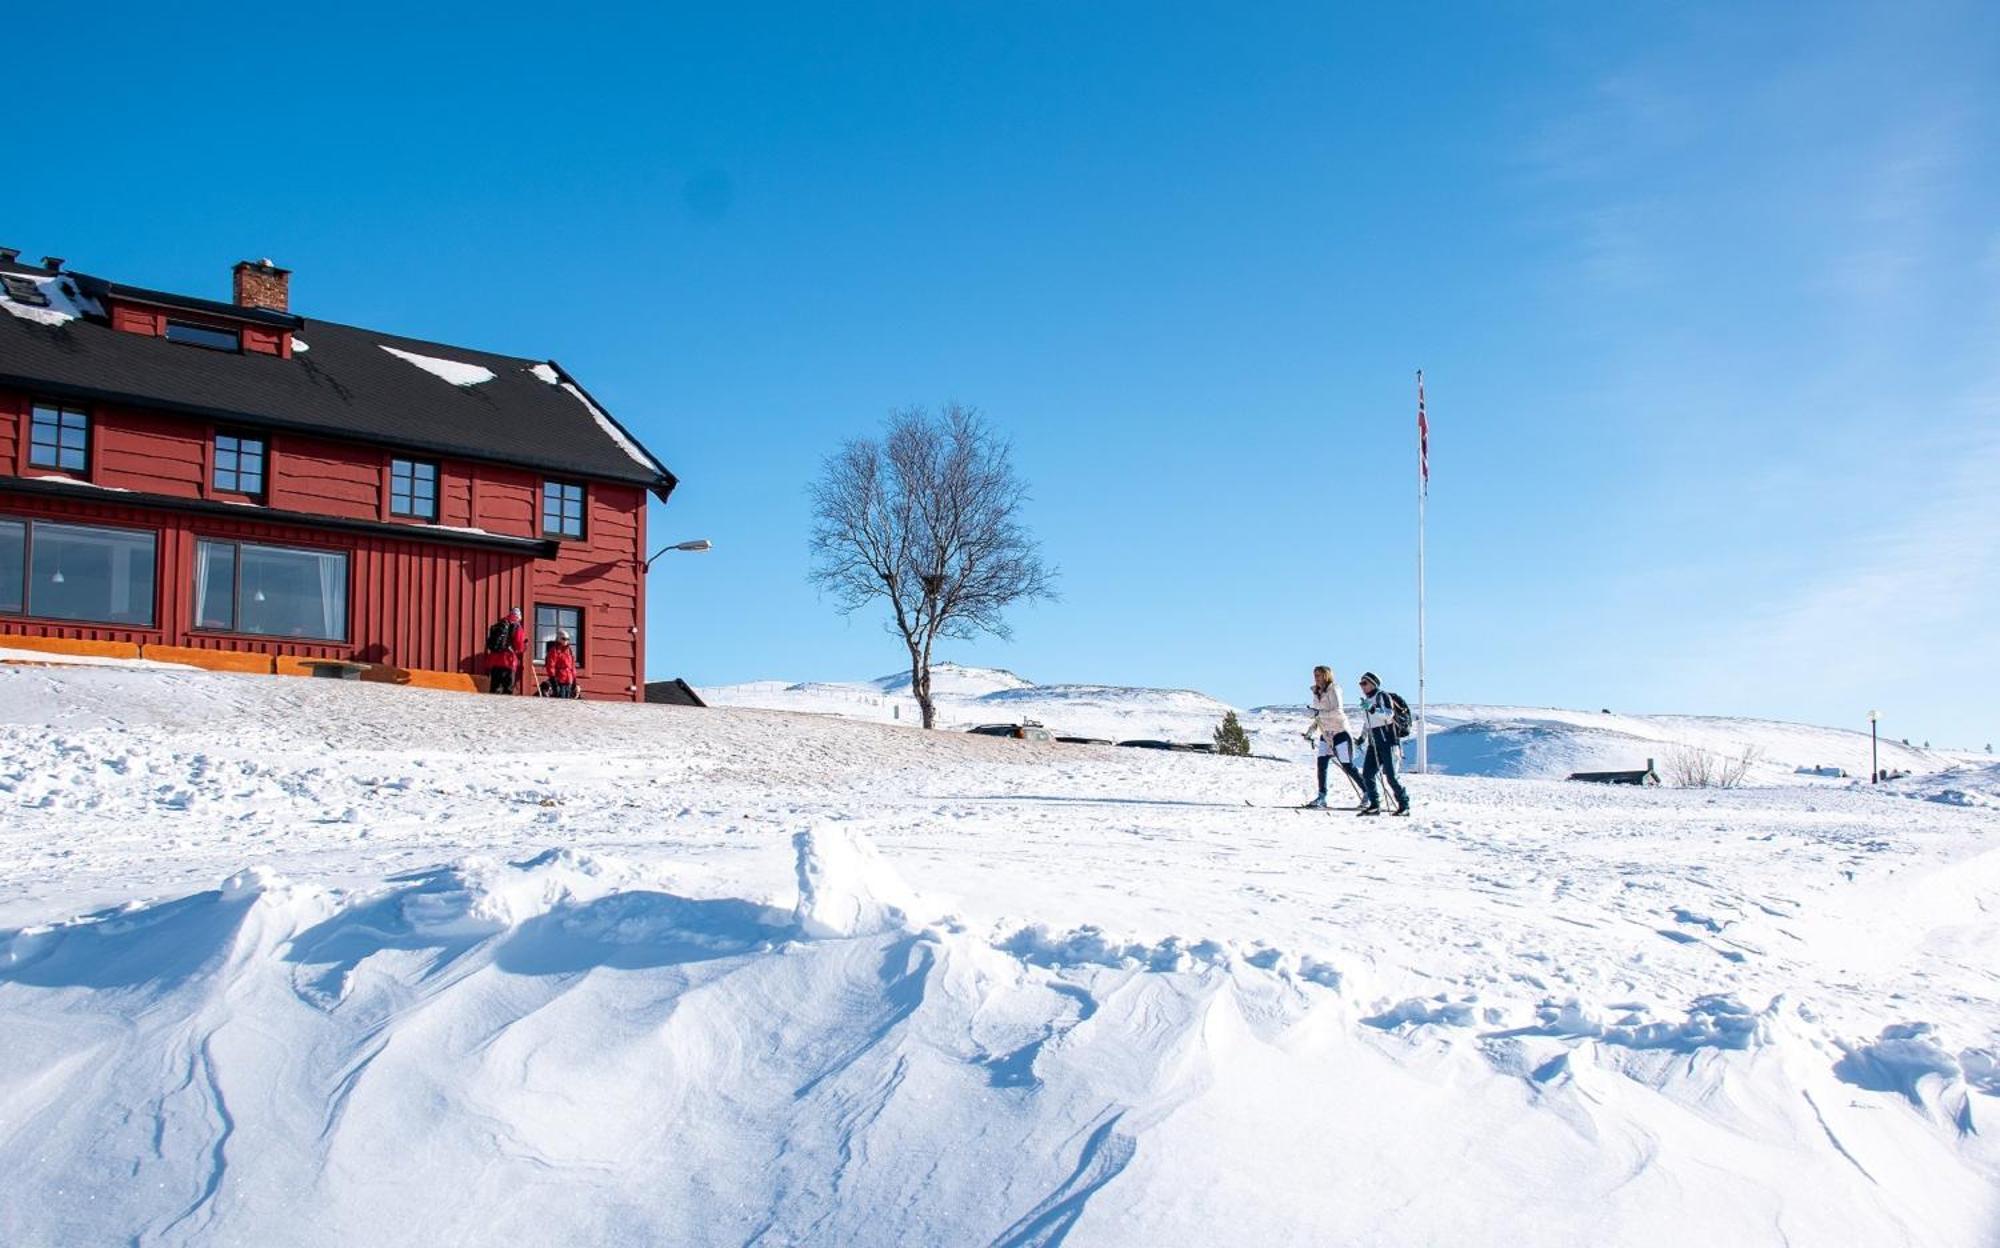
point(675, 692)
point(1646, 776)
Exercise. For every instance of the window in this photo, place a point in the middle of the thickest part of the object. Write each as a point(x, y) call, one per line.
point(413, 489)
point(562, 509)
point(77, 572)
point(13, 565)
point(215, 585)
point(239, 464)
point(270, 590)
point(23, 291)
point(548, 620)
point(59, 437)
point(203, 336)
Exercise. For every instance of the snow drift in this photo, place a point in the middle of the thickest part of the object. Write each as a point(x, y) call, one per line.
point(407, 967)
point(493, 1051)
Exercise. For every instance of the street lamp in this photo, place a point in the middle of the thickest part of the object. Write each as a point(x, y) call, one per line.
point(694, 547)
point(1874, 757)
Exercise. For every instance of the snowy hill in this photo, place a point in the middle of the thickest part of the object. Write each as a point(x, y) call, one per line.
point(1520, 741)
point(953, 680)
point(311, 962)
point(1515, 742)
point(970, 696)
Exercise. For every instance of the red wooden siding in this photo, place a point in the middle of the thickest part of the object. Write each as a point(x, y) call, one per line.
point(133, 320)
point(413, 602)
point(12, 408)
point(455, 493)
point(148, 453)
point(325, 478)
point(508, 500)
point(266, 341)
point(601, 575)
point(410, 604)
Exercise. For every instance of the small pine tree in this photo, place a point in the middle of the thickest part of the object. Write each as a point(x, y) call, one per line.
point(1230, 737)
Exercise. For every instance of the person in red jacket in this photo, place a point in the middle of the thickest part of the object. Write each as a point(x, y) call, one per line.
point(560, 664)
point(506, 651)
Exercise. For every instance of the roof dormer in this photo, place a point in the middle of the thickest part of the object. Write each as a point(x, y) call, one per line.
point(257, 323)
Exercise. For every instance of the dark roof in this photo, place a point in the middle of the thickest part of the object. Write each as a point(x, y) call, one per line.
point(1637, 776)
point(343, 384)
point(675, 692)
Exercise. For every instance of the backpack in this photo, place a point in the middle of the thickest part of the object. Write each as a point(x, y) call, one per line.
point(500, 637)
point(1402, 712)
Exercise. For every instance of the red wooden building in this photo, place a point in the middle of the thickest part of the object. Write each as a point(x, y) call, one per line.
point(186, 472)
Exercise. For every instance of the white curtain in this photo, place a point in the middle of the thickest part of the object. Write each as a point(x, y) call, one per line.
point(203, 553)
point(333, 595)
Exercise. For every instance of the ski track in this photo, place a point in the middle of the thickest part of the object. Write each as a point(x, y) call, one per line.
point(485, 969)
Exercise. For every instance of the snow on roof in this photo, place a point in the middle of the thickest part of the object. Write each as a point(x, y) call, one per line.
point(476, 532)
point(611, 430)
point(60, 479)
point(457, 372)
point(546, 372)
point(299, 344)
point(65, 301)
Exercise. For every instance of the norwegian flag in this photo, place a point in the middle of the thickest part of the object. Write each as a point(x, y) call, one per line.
point(1423, 434)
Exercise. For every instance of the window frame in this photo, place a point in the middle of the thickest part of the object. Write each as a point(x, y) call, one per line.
point(27, 609)
point(169, 324)
point(26, 524)
point(235, 586)
point(240, 436)
point(437, 485)
point(236, 628)
point(540, 650)
point(582, 509)
point(21, 290)
point(88, 427)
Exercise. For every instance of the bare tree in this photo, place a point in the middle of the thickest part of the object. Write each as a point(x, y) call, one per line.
point(1691, 767)
point(928, 519)
point(1732, 772)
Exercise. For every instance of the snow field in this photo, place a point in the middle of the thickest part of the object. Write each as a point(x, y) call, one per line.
point(1515, 742)
point(485, 968)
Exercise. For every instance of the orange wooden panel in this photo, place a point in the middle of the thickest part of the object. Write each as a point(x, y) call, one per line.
point(211, 660)
point(71, 645)
point(419, 678)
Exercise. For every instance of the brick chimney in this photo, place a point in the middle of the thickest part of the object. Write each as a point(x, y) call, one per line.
point(261, 284)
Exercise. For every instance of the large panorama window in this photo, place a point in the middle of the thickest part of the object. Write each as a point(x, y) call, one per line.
point(77, 572)
point(271, 591)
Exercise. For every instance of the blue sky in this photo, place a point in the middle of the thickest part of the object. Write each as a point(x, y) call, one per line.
point(1708, 297)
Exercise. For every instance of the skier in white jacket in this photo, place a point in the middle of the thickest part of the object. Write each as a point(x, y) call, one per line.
point(1330, 733)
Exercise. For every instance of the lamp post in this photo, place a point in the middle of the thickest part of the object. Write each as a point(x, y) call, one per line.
point(695, 547)
point(1874, 748)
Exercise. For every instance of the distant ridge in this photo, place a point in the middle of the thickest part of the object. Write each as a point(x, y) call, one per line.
point(958, 680)
point(1503, 741)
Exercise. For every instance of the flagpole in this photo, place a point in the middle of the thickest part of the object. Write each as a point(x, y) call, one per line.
point(1423, 490)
